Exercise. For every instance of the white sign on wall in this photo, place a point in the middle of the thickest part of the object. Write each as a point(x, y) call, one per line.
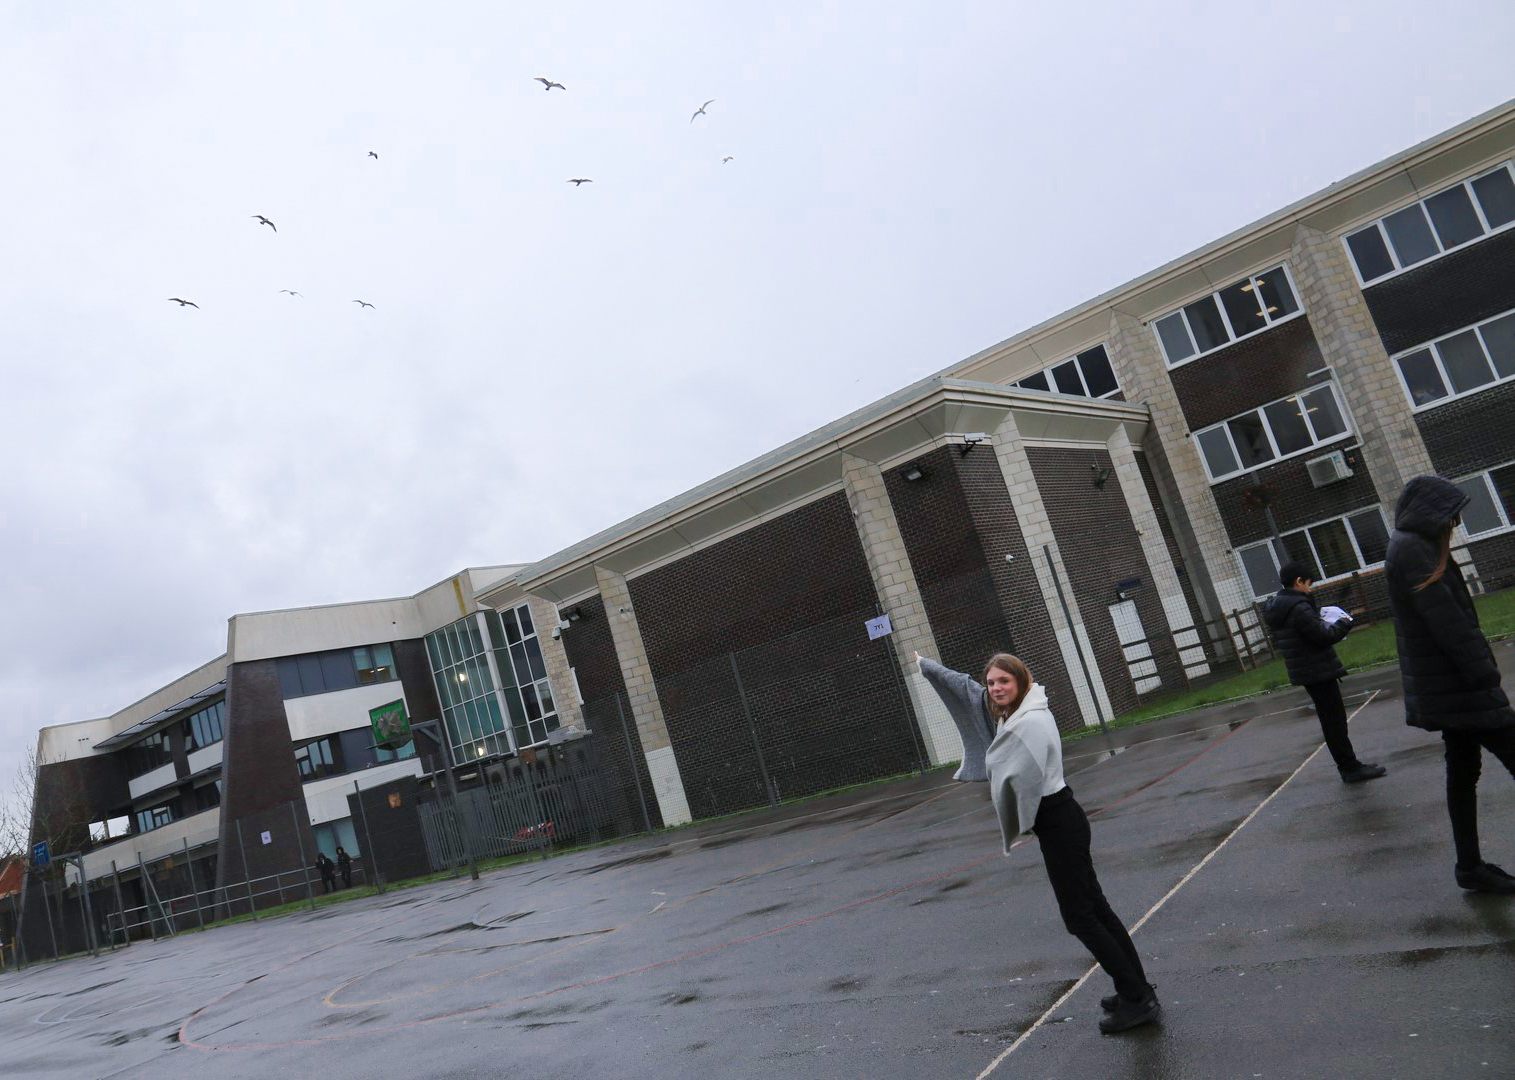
point(268, 838)
point(879, 627)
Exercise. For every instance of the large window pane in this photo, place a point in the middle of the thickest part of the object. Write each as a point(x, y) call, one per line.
point(1216, 448)
point(1205, 322)
point(1454, 217)
point(1410, 234)
point(1422, 377)
point(1243, 307)
point(1099, 376)
point(1504, 487)
point(1480, 515)
point(529, 698)
point(1370, 253)
point(1035, 382)
point(1334, 549)
point(310, 675)
point(1175, 338)
point(534, 658)
point(1288, 423)
point(1065, 375)
point(512, 631)
point(1297, 548)
point(1499, 339)
point(1372, 537)
point(1262, 571)
point(1496, 194)
point(1250, 439)
point(1278, 299)
point(1465, 363)
point(1323, 413)
point(523, 613)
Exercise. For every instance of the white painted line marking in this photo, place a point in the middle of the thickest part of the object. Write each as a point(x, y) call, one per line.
point(1153, 910)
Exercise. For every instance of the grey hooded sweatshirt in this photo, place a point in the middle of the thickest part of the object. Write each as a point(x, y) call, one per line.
point(1022, 760)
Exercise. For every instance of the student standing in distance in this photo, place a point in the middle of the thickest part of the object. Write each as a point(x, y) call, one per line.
point(1011, 740)
point(344, 867)
point(1307, 641)
point(1451, 681)
point(328, 871)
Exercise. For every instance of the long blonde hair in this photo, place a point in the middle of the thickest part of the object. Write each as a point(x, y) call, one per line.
point(1446, 555)
point(1015, 667)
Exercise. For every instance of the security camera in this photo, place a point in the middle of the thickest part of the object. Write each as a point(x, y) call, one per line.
point(557, 633)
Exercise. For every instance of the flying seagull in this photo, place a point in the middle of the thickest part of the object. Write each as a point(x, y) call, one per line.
point(373, 155)
point(581, 180)
point(265, 221)
point(700, 111)
point(365, 303)
point(549, 84)
point(728, 157)
point(184, 303)
point(293, 293)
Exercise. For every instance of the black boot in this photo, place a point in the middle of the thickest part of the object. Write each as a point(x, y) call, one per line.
point(1486, 878)
point(1363, 771)
point(1130, 1014)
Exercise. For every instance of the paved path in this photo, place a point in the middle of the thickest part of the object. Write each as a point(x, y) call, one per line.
point(1295, 927)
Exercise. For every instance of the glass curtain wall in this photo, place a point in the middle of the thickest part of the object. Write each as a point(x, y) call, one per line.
point(472, 709)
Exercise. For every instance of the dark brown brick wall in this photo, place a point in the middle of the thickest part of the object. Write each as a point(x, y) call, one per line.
point(1252, 372)
point(1471, 433)
point(1170, 538)
point(591, 653)
point(790, 597)
point(260, 783)
point(1495, 560)
point(1295, 501)
point(958, 524)
point(70, 794)
point(1445, 294)
point(420, 689)
point(1099, 547)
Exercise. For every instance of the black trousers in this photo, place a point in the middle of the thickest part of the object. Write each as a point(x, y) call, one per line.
point(1062, 830)
point(1464, 763)
point(1333, 722)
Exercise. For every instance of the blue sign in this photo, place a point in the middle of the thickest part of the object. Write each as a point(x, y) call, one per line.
point(40, 857)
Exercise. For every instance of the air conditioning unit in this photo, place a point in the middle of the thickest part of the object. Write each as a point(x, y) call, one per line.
point(1329, 469)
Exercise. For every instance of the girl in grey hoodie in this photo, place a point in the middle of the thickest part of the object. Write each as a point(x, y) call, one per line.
point(1011, 740)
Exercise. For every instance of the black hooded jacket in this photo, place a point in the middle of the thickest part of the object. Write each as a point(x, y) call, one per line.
point(1304, 638)
point(1451, 682)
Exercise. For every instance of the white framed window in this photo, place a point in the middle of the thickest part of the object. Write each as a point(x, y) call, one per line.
point(1492, 506)
point(1451, 219)
point(1241, 309)
point(1332, 549)
point(526, 658)
point(1280, 429)
point(1461, 363)
point(1089, 374)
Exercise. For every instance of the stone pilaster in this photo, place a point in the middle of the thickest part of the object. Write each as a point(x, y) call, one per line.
point(1036, 527)
point(900, 596)
point(1164, 576)
point(1144, 377)
point(544, 616)
point(646, 709)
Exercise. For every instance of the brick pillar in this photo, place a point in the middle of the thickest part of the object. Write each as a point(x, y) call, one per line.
point(1159, 562)
point(1144, 377)
point(646, 709)
point(900, 596)
point(1036, 527)
point(544, 616)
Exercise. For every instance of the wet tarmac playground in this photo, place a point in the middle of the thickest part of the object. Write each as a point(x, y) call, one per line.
point(1294, 926)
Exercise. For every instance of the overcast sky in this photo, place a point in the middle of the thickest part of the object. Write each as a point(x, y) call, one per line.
point(911, 183)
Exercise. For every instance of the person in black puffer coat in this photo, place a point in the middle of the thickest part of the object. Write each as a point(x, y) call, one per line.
point(1451, 682)
point(1307, 641)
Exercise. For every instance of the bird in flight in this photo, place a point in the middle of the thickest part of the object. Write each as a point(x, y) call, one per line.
point(373, 155)
point(265, 221)
point(184, 303)
point(549, 84)
point(580, 180)
point(293, 293)
point(365, 303)
point(728, 157)
point(700, 111)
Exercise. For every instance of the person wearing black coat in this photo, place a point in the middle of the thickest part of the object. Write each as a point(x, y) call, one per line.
point(1451, 681)
point(1307, 642)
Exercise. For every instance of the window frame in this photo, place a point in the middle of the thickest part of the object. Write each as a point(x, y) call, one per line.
point(1214, 295)
point(1261, 413)
point(1314, 552)
point(1441, 369)
point(1506, 514)
point(1046, 372)
point(525, 679)
point(1378, 223)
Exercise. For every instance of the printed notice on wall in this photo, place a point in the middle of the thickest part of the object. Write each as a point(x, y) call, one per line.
point(879, 627)
point(268, 838)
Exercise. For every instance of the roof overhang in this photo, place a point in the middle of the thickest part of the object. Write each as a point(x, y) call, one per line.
point(143, 727)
